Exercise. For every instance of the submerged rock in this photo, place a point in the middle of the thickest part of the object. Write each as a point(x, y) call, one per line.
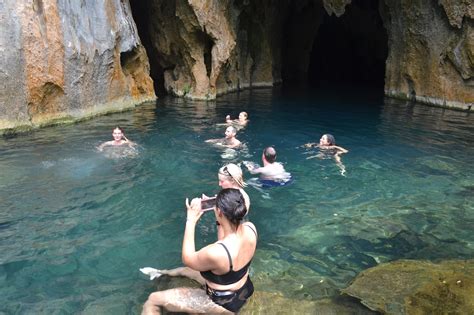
point(275, 303)
point(417, 287)
point(263, 302)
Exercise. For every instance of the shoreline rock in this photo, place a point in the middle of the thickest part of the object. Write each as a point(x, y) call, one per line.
point(416, 287)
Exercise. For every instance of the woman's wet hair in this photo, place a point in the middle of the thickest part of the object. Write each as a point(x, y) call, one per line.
point(331, 139)
point(231, 202)
point(119, 128)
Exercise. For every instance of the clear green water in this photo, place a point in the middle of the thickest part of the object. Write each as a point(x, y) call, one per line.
point(76, 225)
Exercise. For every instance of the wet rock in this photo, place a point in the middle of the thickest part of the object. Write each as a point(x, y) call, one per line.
point(430, 52)
point(206, 48)
point(66, 60)
point(417, 287)
point(275, 303)
point(264, 302)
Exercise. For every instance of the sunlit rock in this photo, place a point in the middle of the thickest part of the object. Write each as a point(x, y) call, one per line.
point(417, 287)
point(64, 60)
point(265, 302)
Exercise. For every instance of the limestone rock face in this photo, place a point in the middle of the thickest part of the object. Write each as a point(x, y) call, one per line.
point(417, 287)
point(431, 50)
point(66, 59)
point(69, 59)
point(209, 47)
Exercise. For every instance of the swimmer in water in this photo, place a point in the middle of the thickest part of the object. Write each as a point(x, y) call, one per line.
point(327, 146)
point(119, 140)
point(230, 141)
point(243, 119)
point(271, 170)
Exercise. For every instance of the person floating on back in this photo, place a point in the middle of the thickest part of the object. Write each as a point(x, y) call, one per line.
point(119, 139)
point(243, 119)
point(229, 141)
point(328, 148)
point(271, 171)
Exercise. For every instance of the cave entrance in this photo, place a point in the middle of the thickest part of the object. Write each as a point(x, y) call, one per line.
point(141, 15)
point(350, 49)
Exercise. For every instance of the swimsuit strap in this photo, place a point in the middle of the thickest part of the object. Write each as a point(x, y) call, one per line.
point(228, 255)
point(253, 230)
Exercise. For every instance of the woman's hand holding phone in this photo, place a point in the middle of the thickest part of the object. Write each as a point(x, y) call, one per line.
point(208, 203)
point(194, 210)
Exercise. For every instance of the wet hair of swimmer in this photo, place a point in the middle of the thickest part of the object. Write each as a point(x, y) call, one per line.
point(231, 202)
point(233, 129)
point(331, 139)
point(119, 128)
point(270, 154)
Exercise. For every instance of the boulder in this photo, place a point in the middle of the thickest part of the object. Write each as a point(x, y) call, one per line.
point(417, 287)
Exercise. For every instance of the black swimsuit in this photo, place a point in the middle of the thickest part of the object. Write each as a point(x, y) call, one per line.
point(230, 300)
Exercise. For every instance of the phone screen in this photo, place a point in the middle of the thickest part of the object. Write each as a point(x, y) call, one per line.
point(208, 204)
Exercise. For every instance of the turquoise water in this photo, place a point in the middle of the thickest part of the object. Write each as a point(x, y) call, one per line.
point(77, 224)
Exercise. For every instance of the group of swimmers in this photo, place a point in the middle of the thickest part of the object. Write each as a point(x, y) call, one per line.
point(222, 268)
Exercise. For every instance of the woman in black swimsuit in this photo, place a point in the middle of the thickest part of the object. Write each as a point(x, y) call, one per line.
point(222, 267)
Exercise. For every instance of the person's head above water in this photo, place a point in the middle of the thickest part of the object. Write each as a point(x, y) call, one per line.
point(243, 116)
point(327, 139)
point(230, 176)
point(231, 203)
point(269, 153)
point(230, 132)
point(117, 133)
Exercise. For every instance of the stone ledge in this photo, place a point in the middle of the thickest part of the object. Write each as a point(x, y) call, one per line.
point(430, 100)
point(119, 105)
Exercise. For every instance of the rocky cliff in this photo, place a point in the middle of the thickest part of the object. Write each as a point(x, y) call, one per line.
point(209, 47)
point(431, 51)
point(64, 59)
point(67, 59)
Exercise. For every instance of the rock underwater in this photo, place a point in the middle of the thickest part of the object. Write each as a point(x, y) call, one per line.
point(417, 287)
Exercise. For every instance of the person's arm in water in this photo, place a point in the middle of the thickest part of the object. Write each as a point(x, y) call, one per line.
point(203, 259)
point(311, 145)
point(340, 150)
point(213, 140)
point(337, 158)
point(103, 145)
point(255, 169)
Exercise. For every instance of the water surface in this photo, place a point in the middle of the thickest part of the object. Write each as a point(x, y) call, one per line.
point(77, 224)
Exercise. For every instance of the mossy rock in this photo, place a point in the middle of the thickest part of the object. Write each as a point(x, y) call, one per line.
point(417, 287)
point(263, 302)
point(275, 303)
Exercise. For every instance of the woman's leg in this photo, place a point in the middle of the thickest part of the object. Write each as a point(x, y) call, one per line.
point(185, 272)
point(187, 300)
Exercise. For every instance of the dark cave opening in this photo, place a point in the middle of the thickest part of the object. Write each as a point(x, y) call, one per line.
point(141, 15)
point(350, 50)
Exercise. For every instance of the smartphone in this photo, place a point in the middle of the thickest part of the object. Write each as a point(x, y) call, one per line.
point(208, 204)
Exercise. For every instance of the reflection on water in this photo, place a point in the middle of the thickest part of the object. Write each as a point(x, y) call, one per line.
point(77, 224)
